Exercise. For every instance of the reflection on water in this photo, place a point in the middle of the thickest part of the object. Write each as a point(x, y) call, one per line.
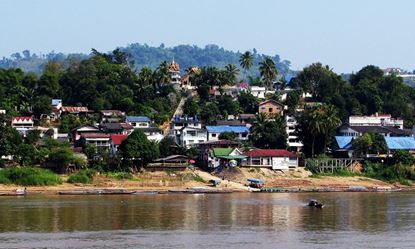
point(373, 220)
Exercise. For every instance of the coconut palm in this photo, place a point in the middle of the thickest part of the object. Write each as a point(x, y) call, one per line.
point(268, 71)
point(232, 73)
point(246, 61)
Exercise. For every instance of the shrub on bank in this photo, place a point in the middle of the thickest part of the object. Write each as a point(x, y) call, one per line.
point(29, 176)
point(83, 176)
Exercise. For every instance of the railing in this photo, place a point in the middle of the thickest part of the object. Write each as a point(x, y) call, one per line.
point(333, 164)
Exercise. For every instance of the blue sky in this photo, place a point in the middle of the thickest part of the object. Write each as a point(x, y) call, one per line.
point(346, 35)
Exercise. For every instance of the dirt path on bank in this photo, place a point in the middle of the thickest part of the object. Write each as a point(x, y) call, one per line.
point(230, 181)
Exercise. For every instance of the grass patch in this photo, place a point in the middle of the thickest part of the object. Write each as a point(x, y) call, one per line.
point(83, 176)
point(341, 173)
point(197, 178)
point(120, 175)
point(29, 176)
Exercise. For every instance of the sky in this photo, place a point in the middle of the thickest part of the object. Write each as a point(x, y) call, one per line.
point(346, 35)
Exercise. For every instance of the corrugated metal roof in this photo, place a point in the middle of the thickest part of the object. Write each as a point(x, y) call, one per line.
point(227, 128)
point(400, 143)
point(137, 119)
point(344, 142)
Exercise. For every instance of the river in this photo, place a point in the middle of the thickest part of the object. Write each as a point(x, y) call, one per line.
point(238, 220)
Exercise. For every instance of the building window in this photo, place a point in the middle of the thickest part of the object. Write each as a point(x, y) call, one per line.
point(270, 109)
point(191, 133)
point(214, 134)
point(256, 161)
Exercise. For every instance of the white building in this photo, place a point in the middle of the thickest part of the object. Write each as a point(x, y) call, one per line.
point(258, 91)
point(190, 135)
point(292, 140)
point(100, 140)
point(179, 122)
point(215, 131)
point(22, 122)
point(138, 121)
point(376, 120)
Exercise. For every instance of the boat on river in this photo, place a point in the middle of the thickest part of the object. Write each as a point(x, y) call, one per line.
point(315, 203)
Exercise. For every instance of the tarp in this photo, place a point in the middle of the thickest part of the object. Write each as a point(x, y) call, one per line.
point(257, 181)
point(344, 142)
point(400, 143)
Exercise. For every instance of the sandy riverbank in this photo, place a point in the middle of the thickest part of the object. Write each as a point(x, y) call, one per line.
point(233, 181)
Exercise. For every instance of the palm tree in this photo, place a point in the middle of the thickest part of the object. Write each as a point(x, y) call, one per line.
point(162, 73)
point(323, 121)
point(268, 71)
point(145, 77)
point(232, 73)
point(246, 61)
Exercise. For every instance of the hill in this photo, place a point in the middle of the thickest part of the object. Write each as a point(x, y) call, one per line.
point(143, 54)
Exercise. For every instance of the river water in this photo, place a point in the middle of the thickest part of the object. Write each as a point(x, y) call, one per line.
point(241, 220)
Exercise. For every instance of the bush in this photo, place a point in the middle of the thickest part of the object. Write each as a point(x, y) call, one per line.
point(392, 173)
point(83, 176)
point(28, 176)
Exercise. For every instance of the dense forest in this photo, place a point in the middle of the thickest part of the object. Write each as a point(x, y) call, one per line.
point(145, 55)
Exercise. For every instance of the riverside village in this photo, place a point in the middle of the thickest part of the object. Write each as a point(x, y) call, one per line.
point(100, 127)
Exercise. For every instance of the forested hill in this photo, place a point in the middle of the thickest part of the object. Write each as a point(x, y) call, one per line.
point(141, 55)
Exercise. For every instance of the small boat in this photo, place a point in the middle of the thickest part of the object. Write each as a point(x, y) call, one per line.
point(315, 203)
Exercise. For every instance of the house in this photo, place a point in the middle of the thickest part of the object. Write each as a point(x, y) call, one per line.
point(2, 111)
point(215, 131)
point(115, 142)
point(293, 141)
point(112, 116)
point(178, 122)
point(111, 128)
point(138, 121)
point(189, 136)
point(100, 140)
point(77, 132)
point(153, 133)
point(271, 158)
point(173, 162)
point(387, 131)
point(206, 147)
point(75, 110)
point(223, 157)
point(258, 91)
point(343, 146)
point(127, 128)
point(56, 104)
point(271, 108)
point(376, 120)
point(22, 122)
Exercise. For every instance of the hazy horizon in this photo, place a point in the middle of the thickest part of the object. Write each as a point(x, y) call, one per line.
point(344, 35)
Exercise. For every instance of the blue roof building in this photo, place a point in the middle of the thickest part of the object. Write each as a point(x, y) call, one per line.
point(138, 121)
point(400, 143)
point(215, 131)
point(344, 142)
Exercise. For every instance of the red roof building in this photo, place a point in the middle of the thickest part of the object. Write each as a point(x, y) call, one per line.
point(22, 122)
point(117, 139)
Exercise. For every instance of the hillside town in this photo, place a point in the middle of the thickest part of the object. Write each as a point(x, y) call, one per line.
point(215, 121)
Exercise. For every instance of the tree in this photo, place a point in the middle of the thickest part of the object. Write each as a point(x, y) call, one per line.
point(404, 157)
point(292, 100)
point(269, 134)
point(369, 143)
point(315, 127)
point(232, 73)
point(138, 149)
point(228, 136)
point(10, 138)
point(209, 112)
point(246, 61)
point(268, 71)
point(168, 146)
point(32, 137)
point(228, 106)
point(248, 102)
point(190, 107)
